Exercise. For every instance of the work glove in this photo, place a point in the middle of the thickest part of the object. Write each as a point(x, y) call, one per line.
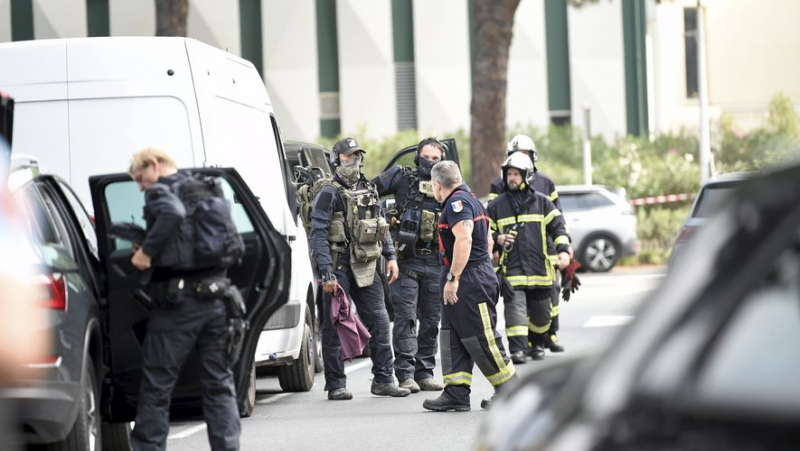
point(569, 281)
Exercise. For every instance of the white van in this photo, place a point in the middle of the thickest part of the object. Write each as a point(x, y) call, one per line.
point(85, 106)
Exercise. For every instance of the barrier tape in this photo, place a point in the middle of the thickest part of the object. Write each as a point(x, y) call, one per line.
point(663, 199)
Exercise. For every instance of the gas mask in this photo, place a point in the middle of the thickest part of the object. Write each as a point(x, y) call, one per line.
point(424, 168)
point(349, 171)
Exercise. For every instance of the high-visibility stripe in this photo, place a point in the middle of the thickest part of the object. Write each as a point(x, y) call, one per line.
point(530, 281)
point(492, 224)
point(530, 218)
point(492, 195)
point(506, 371)
point(555, 310)
point(554, 195)
point(550, 216)
point(460, 378)
point(517, 331)
point(539, 329)
point(506, 221)
point(561, 239)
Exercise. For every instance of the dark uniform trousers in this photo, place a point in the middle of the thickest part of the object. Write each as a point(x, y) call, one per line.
point(171, 335)
point(469, 335)
point(416, 295)
point(372, 312)
point(538, 304)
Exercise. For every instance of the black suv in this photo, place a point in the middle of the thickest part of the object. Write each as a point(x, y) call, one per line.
point(84, 396)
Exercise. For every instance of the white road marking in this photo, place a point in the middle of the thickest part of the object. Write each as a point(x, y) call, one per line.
point(608, 321)
point(192, 430)
point(274, 398)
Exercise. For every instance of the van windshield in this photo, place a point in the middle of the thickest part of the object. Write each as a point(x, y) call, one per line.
point(712, 198)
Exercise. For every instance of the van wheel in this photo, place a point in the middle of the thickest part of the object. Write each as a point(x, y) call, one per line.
point(250, 405)
point(116, 436)
point(299, 376)
point(600, 253)
point(86, 432)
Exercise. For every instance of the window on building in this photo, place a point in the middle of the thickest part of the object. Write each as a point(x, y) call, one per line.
point(690, 44)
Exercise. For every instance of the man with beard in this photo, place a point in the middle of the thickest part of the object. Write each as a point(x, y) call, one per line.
point(416, 296)
point(521, 219)
point(348, 234)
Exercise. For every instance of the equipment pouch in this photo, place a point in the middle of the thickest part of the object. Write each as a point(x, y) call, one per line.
point(210, 289)
point(365, 252)
point(408, 231)
point(363, 271)
point(370, 230)
point(427, 226)
point(336, 234)
point(237, 324)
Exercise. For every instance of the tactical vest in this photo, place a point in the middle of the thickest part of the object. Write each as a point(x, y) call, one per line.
point(417, 223)
point(358, 230)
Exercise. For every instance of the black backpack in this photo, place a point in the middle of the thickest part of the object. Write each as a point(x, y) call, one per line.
point(208, 227)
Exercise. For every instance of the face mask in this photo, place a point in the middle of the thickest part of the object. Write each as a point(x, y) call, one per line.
point(424, 168)
point(349, 171)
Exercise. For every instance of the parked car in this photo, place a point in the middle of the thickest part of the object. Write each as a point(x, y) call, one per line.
point(709, 363)
point(110, 97)
point(712, 197)
point(601, 223)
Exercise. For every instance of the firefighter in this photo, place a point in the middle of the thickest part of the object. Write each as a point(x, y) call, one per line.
point(416, 295)
point(521, 219)
point(543, 184)
point(469, 290)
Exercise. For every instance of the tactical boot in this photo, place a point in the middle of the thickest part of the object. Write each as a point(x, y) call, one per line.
point(537, 351)
point(389, 389)
point(553, 345)
point(430, 385)
point(486, 404)
point(444, 404)
point(411, 385)
point(339, 394)
point(518, 357)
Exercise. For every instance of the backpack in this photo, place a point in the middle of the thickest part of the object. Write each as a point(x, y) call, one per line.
point(310, 181)
point(208, 227)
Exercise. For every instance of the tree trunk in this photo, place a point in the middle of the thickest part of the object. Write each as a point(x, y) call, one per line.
point(492, 22)
point(171, 17)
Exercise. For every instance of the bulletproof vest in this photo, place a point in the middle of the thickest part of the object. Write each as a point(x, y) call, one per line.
point(418, 216)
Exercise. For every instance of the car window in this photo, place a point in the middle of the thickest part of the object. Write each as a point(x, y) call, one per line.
point(85, 222)
point(316, 158)
point(711, 199)
point(752, 362)
point(126, 204)
point(46, 226)
point(583, 201)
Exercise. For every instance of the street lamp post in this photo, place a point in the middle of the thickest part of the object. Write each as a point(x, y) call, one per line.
point(702, 90)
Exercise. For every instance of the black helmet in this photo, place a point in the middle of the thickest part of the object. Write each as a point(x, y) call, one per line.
point(345, 146)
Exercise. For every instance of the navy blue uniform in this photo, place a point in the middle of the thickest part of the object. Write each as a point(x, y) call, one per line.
point(369, 300)
point(416, 294)
point(176, 328)
point(469, 335)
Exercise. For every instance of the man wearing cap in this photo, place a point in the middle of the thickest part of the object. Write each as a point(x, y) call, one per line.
point(348, 234)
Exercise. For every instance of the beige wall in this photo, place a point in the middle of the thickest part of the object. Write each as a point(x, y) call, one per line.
point(5, 20)
point(59, 19)
point(291, 71)
point(215, 23)
point(366, 67)
point(526, 98)
point(127, 18)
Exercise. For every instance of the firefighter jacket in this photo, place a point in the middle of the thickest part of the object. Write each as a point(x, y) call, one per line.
point(415, 210)
point(534, 218)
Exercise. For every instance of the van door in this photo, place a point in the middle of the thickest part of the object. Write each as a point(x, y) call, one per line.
point(263, 275)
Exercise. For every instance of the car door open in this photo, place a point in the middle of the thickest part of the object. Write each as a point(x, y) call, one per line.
point(263, 276)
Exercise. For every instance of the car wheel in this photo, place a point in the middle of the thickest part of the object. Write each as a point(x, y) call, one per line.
point(116, 436)
point(600, 253)
point(250, 405)
point(299, 376)
point(86, 432)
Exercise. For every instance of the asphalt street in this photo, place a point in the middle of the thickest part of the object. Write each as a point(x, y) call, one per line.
point(308, 421)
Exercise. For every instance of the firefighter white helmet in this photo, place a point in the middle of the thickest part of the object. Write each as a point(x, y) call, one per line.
point(523, 164)
point(525, 144)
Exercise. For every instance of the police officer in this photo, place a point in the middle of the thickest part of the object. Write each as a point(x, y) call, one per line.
point(543, 184)
point(469, 289)
point(178, 324)
point(520, 219)
point(346, 257)
point(415, 221)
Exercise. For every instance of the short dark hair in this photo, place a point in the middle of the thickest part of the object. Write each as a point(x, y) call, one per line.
point(430, 141)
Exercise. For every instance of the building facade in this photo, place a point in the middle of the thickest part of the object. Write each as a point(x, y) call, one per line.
point(379, 66)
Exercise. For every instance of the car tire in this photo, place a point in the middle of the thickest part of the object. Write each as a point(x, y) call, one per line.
point(299, 376)
point(250, 404)
point(86, 432)
point(600, 253)
point(116, 436)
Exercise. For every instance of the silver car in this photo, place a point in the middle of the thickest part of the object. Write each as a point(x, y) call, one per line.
point(602, 225)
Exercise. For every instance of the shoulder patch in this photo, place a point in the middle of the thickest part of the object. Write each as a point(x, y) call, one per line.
point(457, 206)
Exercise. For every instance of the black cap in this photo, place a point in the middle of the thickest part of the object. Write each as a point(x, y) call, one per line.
point(346, 146)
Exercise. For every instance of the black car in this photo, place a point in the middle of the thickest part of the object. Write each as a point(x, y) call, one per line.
point(84, 395)
point(711, 361)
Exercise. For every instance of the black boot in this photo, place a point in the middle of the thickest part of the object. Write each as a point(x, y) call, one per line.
point(518, 357)
point(553, 345)
point(537, 347)
point(443, 404)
